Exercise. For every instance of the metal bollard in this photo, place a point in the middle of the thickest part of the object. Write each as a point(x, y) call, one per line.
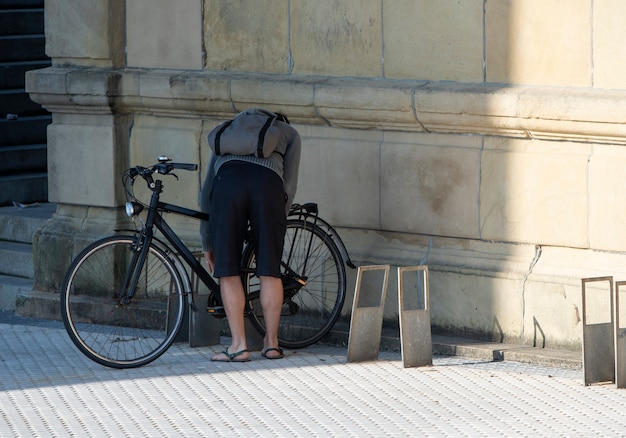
point(598, 330)
point(414, 310)
point(367, 318)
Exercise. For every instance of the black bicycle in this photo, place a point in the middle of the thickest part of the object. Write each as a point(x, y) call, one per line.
point(124, 297)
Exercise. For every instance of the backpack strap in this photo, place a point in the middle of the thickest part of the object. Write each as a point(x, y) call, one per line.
point(266, 126)
point(218, 136)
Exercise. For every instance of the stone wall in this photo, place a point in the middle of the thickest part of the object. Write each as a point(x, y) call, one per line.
point(484, 137)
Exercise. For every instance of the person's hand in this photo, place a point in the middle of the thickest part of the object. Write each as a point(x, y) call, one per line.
point(210, 260)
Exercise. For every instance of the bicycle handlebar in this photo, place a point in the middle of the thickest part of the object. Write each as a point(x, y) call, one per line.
point(162, 168)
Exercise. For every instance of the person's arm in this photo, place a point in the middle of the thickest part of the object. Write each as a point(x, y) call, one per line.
point(291, 165)
point(205, 203)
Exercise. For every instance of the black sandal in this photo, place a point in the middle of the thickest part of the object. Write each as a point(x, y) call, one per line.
point(232, 357)
point(279, 350)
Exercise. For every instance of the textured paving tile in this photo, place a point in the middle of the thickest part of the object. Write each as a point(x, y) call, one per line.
point(48, 388)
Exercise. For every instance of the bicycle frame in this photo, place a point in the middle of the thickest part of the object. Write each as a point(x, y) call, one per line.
point(145, 238)
point(132, 324)
point(155, 219)
point(292, 281)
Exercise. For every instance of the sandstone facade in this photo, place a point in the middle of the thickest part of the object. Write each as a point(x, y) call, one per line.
point(484, 137)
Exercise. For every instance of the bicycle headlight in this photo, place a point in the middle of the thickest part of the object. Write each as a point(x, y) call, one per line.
point(133, 208)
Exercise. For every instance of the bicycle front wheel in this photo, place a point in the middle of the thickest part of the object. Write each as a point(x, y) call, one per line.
point(109, 332)
point(310, 310)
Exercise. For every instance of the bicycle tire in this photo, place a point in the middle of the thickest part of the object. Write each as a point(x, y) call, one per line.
point(318, 304)
point(121, 336)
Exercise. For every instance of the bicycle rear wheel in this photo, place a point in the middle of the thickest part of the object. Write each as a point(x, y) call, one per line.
point(309, 310)
point(121, 335)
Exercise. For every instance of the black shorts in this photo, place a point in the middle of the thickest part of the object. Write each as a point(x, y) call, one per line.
point(246, 194)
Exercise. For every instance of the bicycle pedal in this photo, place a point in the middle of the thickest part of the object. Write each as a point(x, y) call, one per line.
point(216, 311)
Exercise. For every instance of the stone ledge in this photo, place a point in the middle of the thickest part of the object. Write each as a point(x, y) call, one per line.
point(491, 351)
point(574, 114)
point(10, 288)
point(471, 348)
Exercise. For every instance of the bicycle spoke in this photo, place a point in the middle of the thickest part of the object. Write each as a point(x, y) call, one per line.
point(104, 329)
point(309, 313)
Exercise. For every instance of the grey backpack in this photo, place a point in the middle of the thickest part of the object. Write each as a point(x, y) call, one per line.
point(249, 133)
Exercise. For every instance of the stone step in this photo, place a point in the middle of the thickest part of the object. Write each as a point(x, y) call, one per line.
point(11, 288)
point(20, 224)
point(16, 259)
point(17, 101)
point(12, 74)
point(25, 158)
point(24, 188)
point(24, 130)
point(17, 227)
point(22, 47)
point(13, 4)
point(37, 304)
point(21, 21)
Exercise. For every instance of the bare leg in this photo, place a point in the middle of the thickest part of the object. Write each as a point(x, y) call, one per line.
point(234, 303)
point(271, 304)
point(210, 261)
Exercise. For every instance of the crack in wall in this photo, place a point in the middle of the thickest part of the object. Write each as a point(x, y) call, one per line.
point(533, 263)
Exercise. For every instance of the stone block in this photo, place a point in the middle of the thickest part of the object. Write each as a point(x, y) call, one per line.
point(366, 105)
point(67, 233)
point(553, 297)
point(535, 192)
point(189, 87)
point(155, 83)
point(477, 287)
point(185, 93)
point(96, 82)
point(522, 111)
point(337, 38)
point(53, 251)
point(179, 139)
point(609, 52)
point(46, 80)
point(164, 34)
point(339, 170)
point(247, 36)
point(37, 304)
point(87, 32)
point(481, 304)
point(583, 106)
point(538, 42)
point(430, 184)
point(553, 312)
point(295, 99)
point(83, 162)
point(607, 199)
point(434, 40)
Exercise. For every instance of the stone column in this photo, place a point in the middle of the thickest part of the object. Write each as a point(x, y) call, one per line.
point(87, 141)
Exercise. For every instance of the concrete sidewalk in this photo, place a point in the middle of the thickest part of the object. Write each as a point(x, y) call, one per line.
point(48, 388)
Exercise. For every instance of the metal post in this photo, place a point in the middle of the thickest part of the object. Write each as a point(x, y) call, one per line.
point(367, 317)
point(414, 311)
point(620, 339)
point(598, 330)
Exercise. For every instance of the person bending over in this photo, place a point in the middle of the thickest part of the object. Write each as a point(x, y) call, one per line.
point(242, 191)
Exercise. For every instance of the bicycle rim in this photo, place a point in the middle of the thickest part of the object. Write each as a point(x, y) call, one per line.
point(121, 336)
point(312, 311)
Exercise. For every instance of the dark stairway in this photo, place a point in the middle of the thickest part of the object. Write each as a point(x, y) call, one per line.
point(23, 123)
